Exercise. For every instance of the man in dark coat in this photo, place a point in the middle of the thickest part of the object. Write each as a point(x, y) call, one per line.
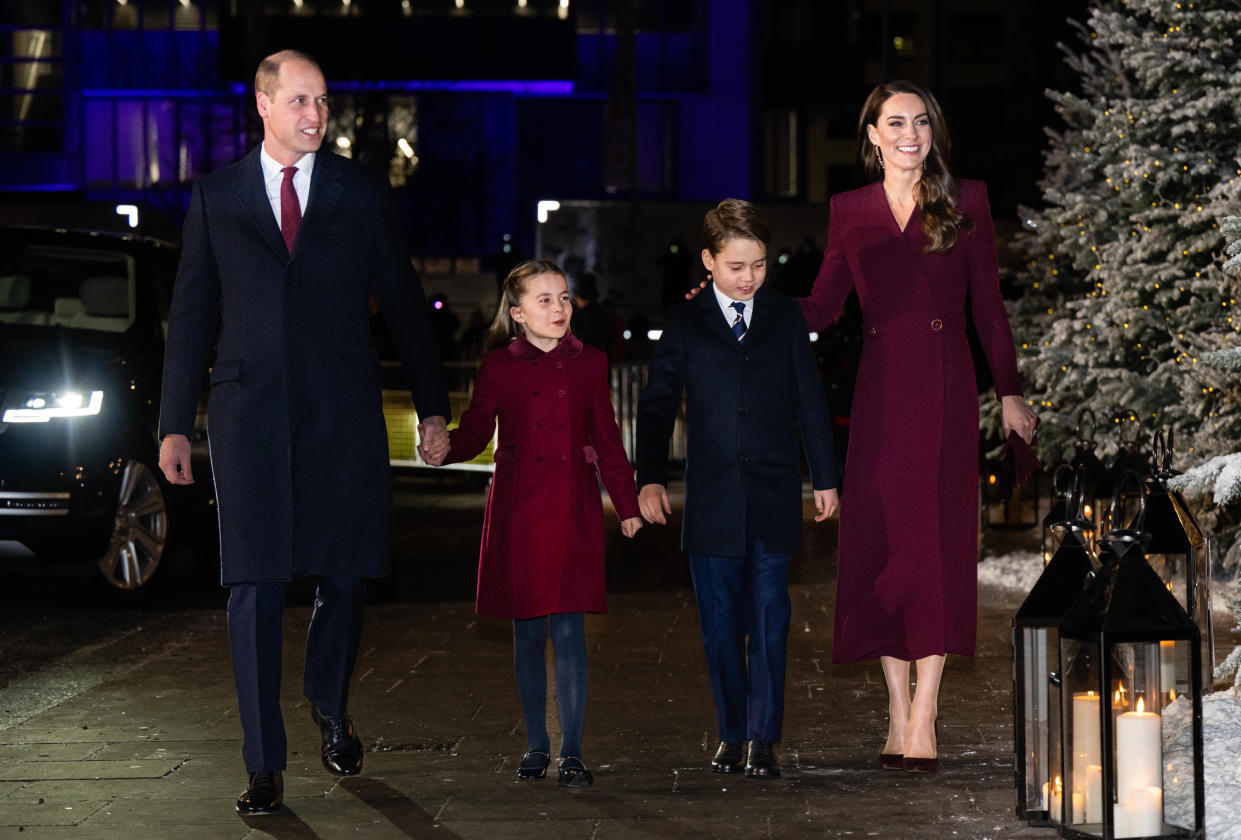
point(280, 252)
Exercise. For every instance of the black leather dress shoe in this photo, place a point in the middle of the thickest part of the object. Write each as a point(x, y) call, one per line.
point(342, 748)
point(761, 761)
point(264, 794)
point(729, 758)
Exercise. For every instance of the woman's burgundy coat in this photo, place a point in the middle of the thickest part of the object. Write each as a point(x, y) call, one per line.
point(908, 579)
point(542, 548)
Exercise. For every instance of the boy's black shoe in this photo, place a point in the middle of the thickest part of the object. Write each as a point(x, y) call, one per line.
point(761, 761)
point(729, 758)
point(264, 793)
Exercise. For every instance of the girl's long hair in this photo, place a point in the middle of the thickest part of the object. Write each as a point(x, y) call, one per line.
point(504, 329)
point(936, 191)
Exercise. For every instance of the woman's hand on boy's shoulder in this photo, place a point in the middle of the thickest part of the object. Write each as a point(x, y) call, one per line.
point(826, 502)
point(653, 502)
point(693, 293)
point(630, 526)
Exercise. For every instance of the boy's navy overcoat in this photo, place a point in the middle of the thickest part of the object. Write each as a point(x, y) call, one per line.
point(750, 408)
point(299, 450)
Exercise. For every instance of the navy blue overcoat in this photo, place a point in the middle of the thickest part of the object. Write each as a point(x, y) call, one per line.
point(751, 408)
point(299, 450)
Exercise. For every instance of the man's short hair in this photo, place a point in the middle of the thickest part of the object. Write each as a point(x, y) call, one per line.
point(268, 75)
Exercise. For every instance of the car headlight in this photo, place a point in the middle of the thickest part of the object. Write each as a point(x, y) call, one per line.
point(41, 406)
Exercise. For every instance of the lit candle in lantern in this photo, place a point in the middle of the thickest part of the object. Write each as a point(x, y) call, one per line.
point(1057, 800)
point(1167, 668)
point(1145, 811)
point(1138, 754)
point(1094, 793)
point(1087, 747)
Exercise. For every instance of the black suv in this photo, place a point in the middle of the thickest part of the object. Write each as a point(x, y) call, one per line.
point(83, 316)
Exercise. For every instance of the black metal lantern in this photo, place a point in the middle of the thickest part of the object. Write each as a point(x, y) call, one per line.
point(1129, 654)
point(1036, 661)
point(1179, 552)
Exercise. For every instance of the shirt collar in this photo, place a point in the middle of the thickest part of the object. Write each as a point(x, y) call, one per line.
point(273, 168)
point(726, 303)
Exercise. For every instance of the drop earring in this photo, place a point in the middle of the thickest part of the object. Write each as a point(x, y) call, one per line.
point(879, 157)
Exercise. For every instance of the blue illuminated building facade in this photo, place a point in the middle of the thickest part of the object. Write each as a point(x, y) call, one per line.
point(478, 109)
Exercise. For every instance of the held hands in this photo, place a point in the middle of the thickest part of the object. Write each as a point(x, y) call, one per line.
point(826, 502)
point(653, 502)
point(433, 431)
point(630, 526)
point(1017, 417)
point(174, 459)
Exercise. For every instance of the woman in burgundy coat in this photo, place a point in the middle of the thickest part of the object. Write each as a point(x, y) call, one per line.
point(542, 547)
point(914, 245)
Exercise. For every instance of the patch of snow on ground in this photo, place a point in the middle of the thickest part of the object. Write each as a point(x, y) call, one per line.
point(1018, 570)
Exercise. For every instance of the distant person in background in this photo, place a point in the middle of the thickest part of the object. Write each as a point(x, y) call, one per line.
point(473, 336)
point(676, 266)
point(445, 322)
point(591, 323)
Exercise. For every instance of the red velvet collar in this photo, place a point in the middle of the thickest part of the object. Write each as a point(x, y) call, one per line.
point(568, 348)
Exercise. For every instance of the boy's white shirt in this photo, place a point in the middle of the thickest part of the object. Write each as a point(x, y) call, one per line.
point(726, 306)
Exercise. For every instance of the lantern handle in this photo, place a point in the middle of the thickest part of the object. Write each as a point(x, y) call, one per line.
point(1122, 539)
point(1081, 422)
point(1163, 453)
point(1127, 415)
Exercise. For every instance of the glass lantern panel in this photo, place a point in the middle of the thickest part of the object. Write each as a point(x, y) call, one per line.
point(1040, 650)
point(1188, 578)
point(1082, 785)
point(1153, 788)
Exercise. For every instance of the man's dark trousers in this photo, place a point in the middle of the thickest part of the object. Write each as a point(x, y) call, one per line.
point(254, 631)
point(740, 597)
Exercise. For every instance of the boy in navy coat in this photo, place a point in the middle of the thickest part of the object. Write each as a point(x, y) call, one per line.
point(741, 354)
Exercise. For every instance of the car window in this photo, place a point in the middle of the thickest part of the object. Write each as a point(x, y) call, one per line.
point(61, 286)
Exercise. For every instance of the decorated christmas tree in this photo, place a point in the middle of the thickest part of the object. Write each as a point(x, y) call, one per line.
point(1124, 293)
point(1219, 478)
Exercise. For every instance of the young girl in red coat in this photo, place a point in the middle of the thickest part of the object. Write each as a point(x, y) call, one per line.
point(542, 561)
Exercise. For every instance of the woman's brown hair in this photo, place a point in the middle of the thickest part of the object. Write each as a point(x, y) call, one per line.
point(504, 329)
point(936, 191)
point(731, 219)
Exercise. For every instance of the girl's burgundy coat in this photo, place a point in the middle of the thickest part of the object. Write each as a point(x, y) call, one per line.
point(907, 577)
point(542, 548)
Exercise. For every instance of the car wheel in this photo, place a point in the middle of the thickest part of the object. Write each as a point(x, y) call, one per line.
point(139, 530)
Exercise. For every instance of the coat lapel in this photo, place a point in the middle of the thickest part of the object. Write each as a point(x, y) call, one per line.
point(253, 195)
point(714, 318)
point(913, 240)
point(325, 189)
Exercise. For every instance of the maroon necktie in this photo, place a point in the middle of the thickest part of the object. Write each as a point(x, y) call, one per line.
point(290, 209)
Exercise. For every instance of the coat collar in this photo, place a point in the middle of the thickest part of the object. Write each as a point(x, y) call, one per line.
point(568, 348)
point(325, 189)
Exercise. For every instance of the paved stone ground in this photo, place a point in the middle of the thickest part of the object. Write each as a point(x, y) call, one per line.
point(138, 737)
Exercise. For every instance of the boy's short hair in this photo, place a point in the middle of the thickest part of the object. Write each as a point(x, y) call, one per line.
point(733, 218)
